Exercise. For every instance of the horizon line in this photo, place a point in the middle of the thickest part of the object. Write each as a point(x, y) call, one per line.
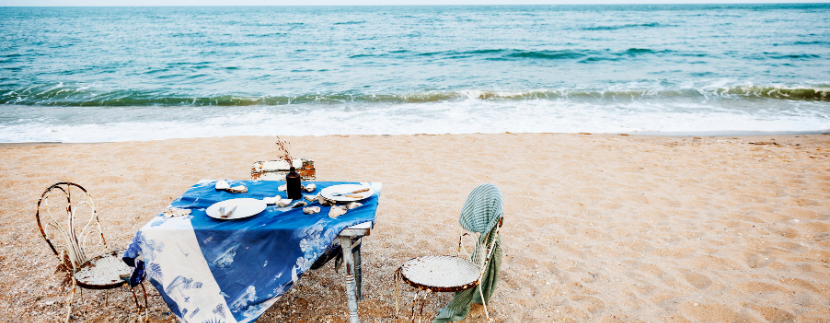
point(600, 3)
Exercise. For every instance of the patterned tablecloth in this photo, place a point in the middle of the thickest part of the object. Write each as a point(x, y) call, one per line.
point(210, 270)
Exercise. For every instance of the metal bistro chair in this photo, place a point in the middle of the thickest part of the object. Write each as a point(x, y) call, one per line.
point(75, 249)
point(455, 273)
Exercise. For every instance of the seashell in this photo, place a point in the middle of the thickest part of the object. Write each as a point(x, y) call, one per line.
point(282, 188)
point(174, 212)
point(238, 189)
point(284, 202)
point(272, 200)
point(311, 198)
point(311, 210)
point(299, 204)
point(336, 211)
point(353, 205)
point(310, 187)
point(323, 201)
point(222, 185)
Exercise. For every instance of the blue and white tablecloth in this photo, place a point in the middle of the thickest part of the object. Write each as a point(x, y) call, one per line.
point(209, 270)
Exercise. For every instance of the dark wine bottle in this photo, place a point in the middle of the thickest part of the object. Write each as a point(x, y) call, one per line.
point(293, 188)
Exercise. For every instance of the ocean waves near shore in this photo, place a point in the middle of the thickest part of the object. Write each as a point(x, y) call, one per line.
point(104, 124)
point(140, 73)
point(60, 95)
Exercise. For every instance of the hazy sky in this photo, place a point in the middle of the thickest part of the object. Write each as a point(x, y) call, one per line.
point(355, 2)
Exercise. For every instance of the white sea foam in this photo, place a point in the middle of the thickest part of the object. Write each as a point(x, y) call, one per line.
point(459, 117)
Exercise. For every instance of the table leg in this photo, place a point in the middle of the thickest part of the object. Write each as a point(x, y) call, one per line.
point(346, 245)
point(358, 274)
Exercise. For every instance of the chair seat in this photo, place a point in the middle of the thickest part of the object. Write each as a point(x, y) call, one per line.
point(441, 273)
point(102, 272)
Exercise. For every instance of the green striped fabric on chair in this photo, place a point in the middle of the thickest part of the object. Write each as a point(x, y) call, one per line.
point(481, 213)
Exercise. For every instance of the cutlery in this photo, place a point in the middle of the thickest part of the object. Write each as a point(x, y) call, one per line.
point(226, 215)
point(353, 192)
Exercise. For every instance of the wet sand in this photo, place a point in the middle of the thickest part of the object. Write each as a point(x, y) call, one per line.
point(598, 228)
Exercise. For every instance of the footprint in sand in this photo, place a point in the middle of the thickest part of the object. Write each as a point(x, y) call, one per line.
point(754, 260)
point(698, 280)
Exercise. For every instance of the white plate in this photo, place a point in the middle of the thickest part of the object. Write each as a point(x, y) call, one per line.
point(245, 208)
point(346, 188)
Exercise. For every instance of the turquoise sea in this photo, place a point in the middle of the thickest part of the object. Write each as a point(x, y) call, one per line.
point(92, 74)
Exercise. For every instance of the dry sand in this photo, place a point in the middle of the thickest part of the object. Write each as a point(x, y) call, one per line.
point(598, 228)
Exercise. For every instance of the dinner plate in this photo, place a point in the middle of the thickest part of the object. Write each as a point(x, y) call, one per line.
point(329, 192)
point(245, 208)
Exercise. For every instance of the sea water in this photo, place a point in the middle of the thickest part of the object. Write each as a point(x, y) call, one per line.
point(92, 74)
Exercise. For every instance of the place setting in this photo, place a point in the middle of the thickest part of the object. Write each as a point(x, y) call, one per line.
point(236, 209)
point(340, 198)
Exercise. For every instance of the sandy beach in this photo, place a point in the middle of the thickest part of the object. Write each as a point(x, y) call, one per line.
point(598, 228)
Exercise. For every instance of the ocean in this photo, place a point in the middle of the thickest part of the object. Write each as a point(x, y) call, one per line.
point(103, 74)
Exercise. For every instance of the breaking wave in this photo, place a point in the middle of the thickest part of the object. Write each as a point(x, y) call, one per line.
point(61, 95)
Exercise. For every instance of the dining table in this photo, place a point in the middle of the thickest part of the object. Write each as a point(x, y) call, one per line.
point(211, 269)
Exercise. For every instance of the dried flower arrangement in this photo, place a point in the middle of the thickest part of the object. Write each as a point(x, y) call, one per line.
point(283, 147)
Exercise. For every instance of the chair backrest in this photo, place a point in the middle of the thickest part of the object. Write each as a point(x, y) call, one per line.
point(275, 170)
point(483, 213)
point(72, 247)
point(483, 250)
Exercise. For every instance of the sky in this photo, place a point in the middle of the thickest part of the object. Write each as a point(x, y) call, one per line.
point(359, 2)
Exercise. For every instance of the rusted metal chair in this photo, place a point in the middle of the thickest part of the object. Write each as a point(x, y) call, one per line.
point(448, 273)
point(472, 276)
point(83, 254)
